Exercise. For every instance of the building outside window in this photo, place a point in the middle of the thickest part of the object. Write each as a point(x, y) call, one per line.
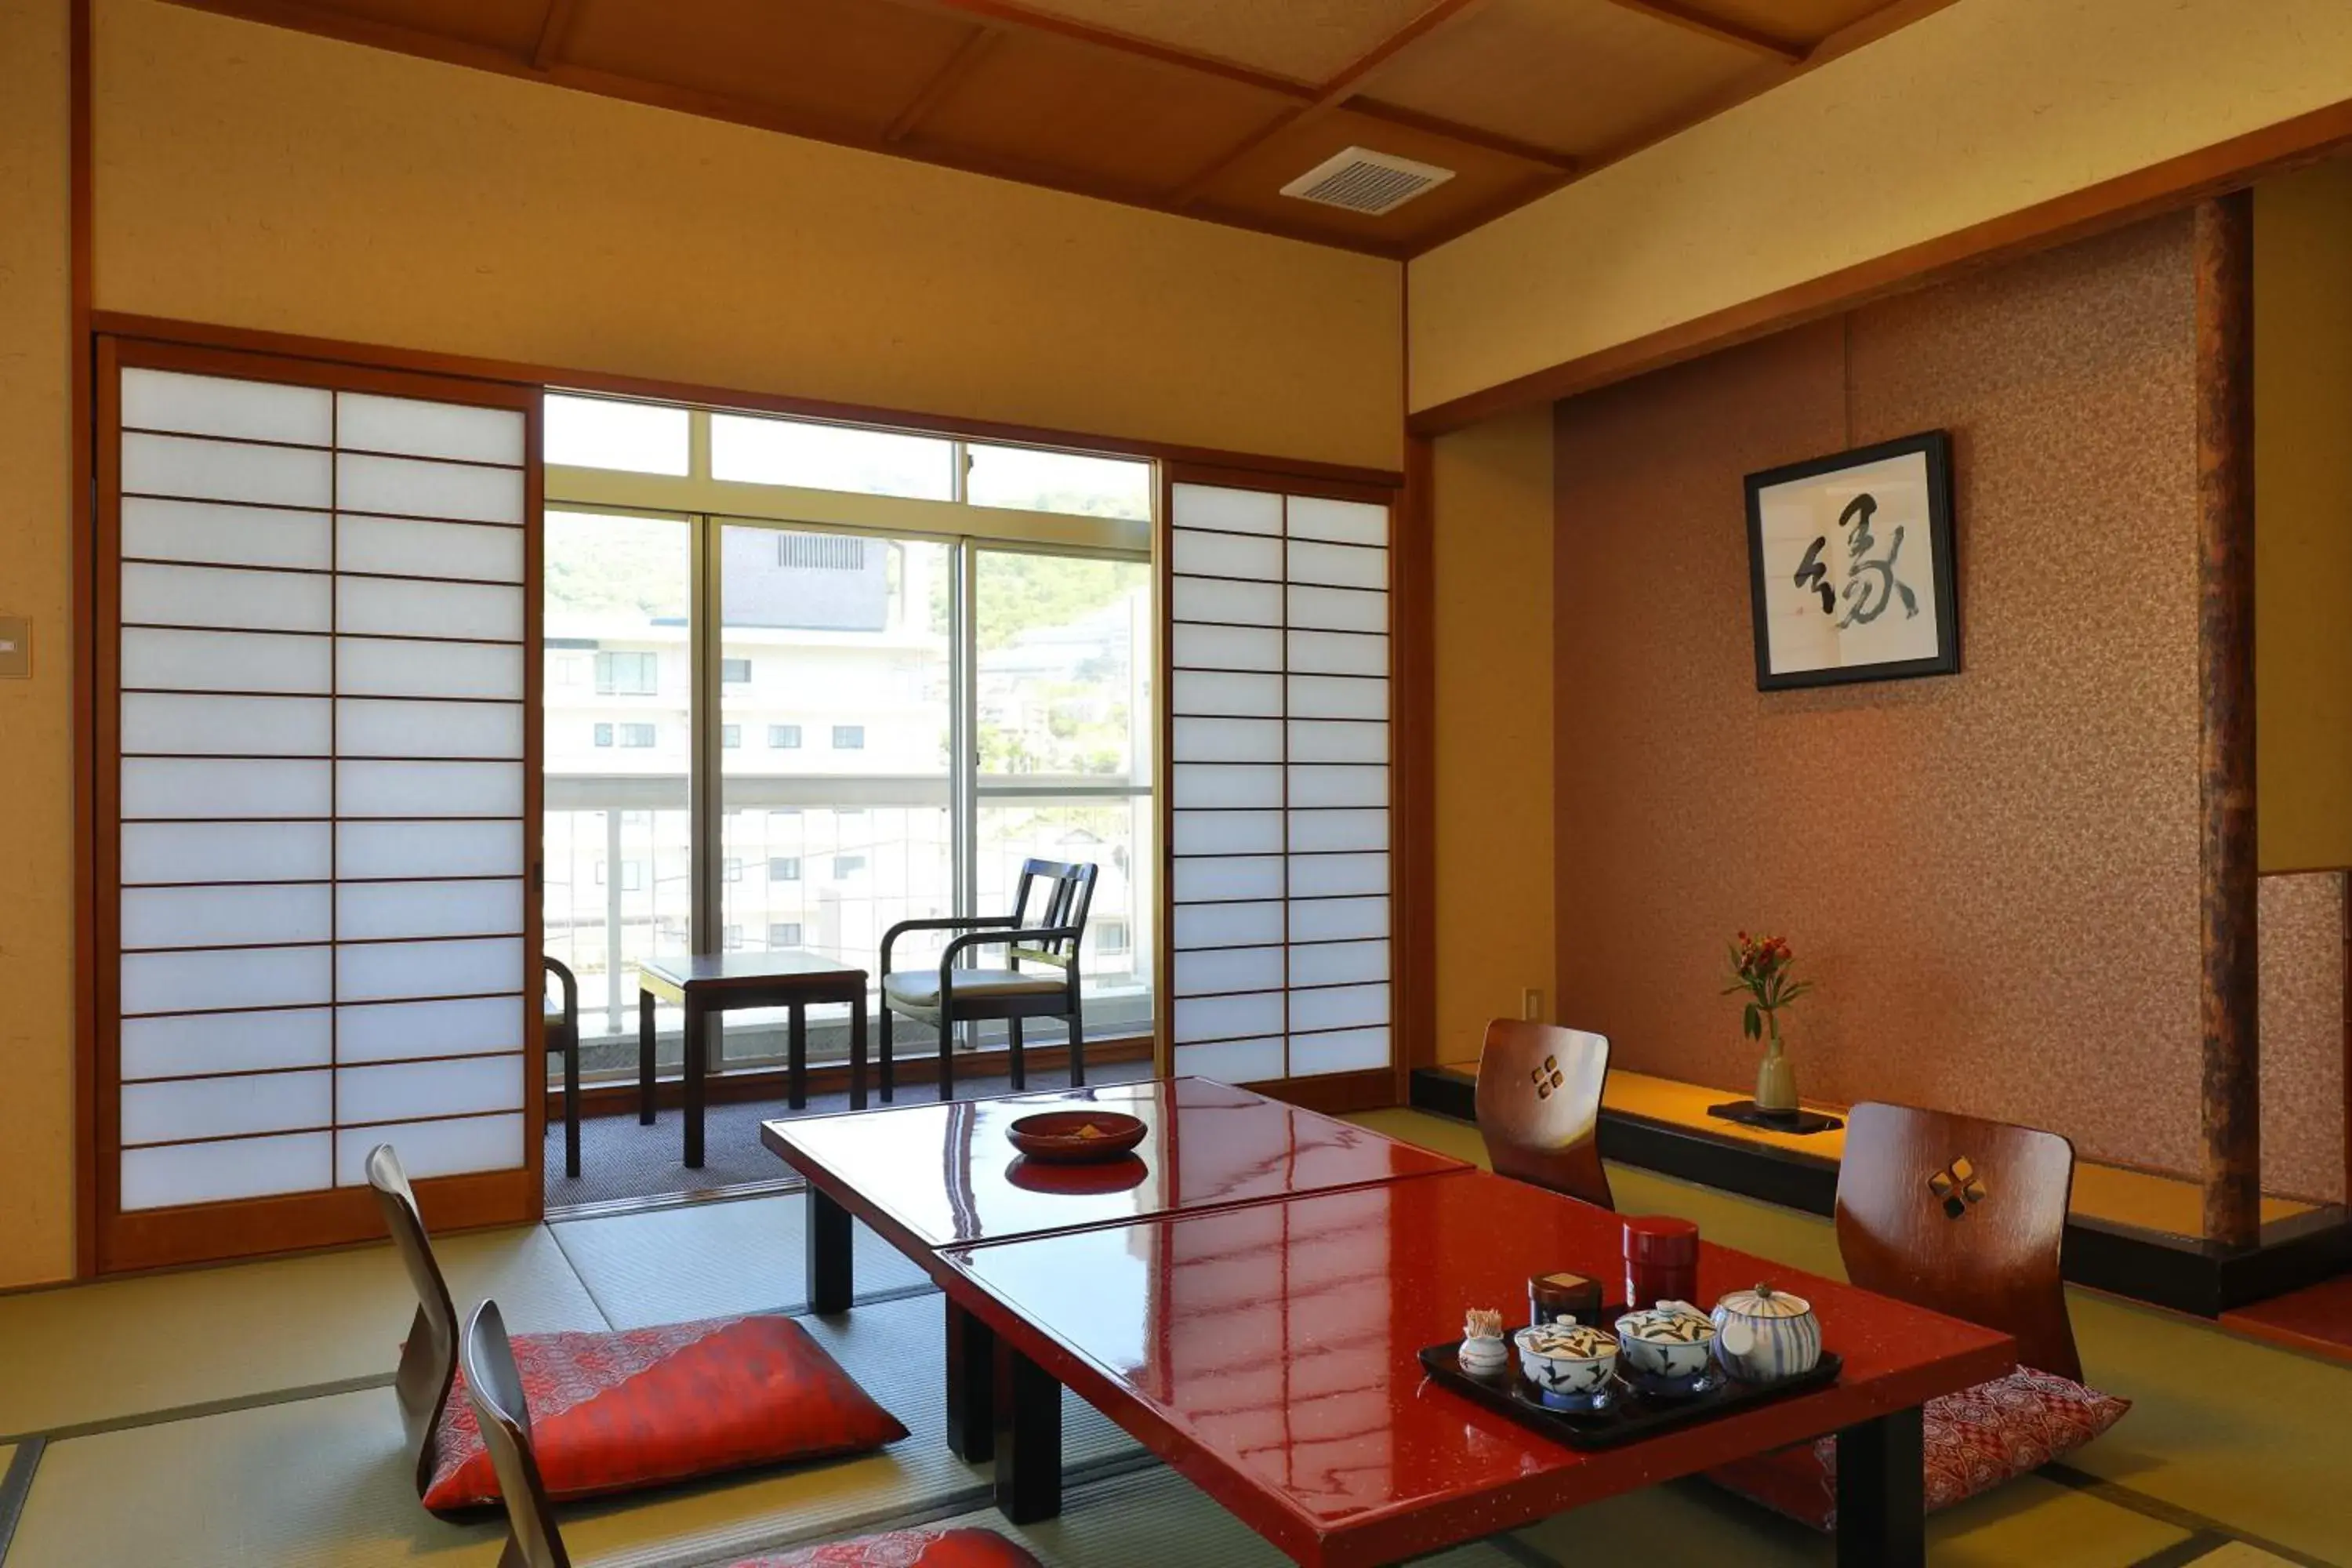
point(603, 734)
point(784, 934)
point(732, 938)
point(731, 736)
point(849, 737)
point(627, 674)
point(735, 671)
point(785, 737)
point(1112, 936)
point(784, 868)
point(847, 866)
point(730, 871)
point(636, 736)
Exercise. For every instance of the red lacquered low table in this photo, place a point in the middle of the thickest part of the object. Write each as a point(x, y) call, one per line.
point(930, 1176)
point(1268, 1353)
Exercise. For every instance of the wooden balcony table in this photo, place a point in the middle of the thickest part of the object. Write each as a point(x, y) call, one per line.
point(704, 983)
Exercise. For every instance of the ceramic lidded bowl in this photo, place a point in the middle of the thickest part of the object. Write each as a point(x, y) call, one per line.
point(1764, 1335)
point(1671, 1343)
point(1565, 1357)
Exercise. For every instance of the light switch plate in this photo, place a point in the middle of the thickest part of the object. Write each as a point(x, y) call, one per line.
point(1531, 1005)
point(15, 647)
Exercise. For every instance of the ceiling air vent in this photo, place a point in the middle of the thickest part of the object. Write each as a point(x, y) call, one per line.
point(1363, 180)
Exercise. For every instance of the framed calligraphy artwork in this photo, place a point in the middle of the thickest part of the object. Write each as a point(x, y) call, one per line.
point(1850, 565)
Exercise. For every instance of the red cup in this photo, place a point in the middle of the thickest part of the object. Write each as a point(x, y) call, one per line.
point(1661, 1261)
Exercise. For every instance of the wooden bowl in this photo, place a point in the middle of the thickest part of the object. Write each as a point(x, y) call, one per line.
point(1076, 1137)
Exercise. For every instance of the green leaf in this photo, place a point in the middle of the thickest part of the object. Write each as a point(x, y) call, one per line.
point(1752, 1021)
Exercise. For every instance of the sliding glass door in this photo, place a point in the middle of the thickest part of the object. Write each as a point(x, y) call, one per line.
point(908, 663)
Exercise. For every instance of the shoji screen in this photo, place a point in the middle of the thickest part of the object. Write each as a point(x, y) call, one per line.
point(1278, 792)
point(318, 765)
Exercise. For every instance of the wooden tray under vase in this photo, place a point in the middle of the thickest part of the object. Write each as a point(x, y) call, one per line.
point(1632, 1416)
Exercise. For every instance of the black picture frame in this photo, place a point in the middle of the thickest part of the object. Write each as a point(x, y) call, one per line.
point(1936, 448)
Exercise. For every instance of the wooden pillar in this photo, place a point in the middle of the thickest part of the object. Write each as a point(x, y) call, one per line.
point(2232, 1102)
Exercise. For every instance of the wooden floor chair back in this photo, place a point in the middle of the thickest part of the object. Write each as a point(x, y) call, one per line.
point(494, 1388)
point(1539, 1106)
point(428, 1361)
point(1962, 1216)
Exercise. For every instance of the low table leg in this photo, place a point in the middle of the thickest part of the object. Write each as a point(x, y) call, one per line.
point(832, 1281)
point(1028, 1438)
point(697, 1044)
point(972, 1387)
point(796, 1059)
point(857, 1050)
point(1882, 1500)
point(645, 1058)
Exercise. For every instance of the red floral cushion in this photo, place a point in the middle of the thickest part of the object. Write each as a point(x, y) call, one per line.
point(612, 1412)
point(907, 1549)
point(1971, 1442)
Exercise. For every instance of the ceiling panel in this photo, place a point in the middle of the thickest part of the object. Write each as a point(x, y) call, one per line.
point(511, 26)
point(1043, 100)
point(1251, 190)
point(1577, 76)
point(848, 61)
point(1798, 21)
point(1310, 41)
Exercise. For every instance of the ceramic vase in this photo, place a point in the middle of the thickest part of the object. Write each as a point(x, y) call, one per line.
point(1776, 1077)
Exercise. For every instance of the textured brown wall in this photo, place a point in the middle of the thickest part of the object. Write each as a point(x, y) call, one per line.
point(2302, 1034)
point(1992, 876)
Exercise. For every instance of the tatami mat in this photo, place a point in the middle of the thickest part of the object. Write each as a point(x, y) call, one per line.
point(326, 1481)
point(709, 1260)
point(1154, 1518)
point(127, 1347)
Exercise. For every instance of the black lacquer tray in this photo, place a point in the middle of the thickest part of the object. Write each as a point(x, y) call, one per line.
point(1631, 1416)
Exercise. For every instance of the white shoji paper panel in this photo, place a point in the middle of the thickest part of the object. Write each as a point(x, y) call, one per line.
point(183, 1109)
point(1339, 1007)
point(400, 1031)
point(225, 471)
point(446, 1148)
point(199, 1043)
point(1338, 653)
point(1338, 565)
point(1220, 599)
point(1227, 925)
point(278, 632)
point(1200, 879)
point(409, 1091)
point(226, 662)
point(387, 667)
point(1225, 694)
point(1233, 1061)
point(1336, 784)
point(217, 1172)
point(1338, 697)
point(376, 911)
point(1226, 832)
point(1225, 555)
point(367, 423)
point(1343, 521)
point(1338, 609)
point(1337, 876)
point(411, 487)
point(169, 787)
point(226, 852)
point(226, 535)
point(371, 727)
point(389, 849)
point(1321, 832)
point(1346, 1051)
point(1214, 785)
point(1225, 648)
point(1226, 741)
point(1339, 962)
point(232, 598)
point(1231, 510)
point(1232, 969)
point(404, 547)
point(1338, 741)
point(1228, 1018)
point(218, 405)
point(398, 608)
point(226, 917)
point(1338, 920)
point(372, 972)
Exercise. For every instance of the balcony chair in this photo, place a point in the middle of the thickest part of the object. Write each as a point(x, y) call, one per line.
point(1539, 1106)
point(641, 1407)
point(494, 1387)
point(947, 995)
point(1966, 1217)
point(560, 1027)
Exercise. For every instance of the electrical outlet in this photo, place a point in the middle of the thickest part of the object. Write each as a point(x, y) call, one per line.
point(15, 648)
point(1531, 1005)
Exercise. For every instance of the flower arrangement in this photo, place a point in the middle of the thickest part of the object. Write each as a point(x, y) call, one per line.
point(1759, 966)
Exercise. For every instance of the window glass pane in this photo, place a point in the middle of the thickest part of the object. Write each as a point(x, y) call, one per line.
point(597, 433)
point(1114, 836)
point(841, 819)
point(1058, 481)
point(831, 458)
point(1065, 667)
point(615, 827)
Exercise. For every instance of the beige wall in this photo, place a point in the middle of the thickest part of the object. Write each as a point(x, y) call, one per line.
point(37, 863)
point(1494, 741)
point(2303, 537)
point(265, 178)
point(1983, 108)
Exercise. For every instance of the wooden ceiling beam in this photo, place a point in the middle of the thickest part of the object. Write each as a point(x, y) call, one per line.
point(1454, 131)
point(1677, 14)
point(552, 29)
point(1329, 97)
point(1020, 18)
point(943, 83)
